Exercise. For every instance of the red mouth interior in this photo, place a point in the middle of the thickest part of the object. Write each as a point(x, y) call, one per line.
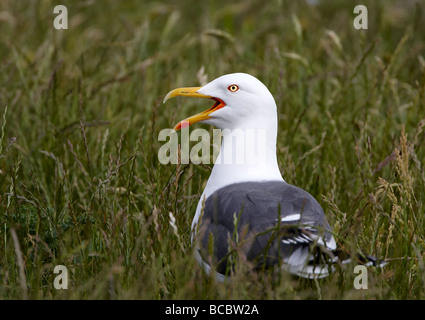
point(216, 106)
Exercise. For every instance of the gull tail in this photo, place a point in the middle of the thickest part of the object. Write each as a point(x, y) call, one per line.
point(323, 262)
point(359, 258)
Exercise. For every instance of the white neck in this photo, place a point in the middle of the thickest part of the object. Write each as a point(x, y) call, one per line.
point(246, 154)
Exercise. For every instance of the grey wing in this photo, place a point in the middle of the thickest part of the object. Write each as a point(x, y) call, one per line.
point(277, 222)
point(293, 205)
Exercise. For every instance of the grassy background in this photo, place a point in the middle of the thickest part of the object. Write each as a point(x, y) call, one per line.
point(80, 113)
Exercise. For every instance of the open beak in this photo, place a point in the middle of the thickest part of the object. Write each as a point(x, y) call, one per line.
point(193, 92)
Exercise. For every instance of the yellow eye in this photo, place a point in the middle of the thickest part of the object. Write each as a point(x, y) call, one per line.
point(233, 88)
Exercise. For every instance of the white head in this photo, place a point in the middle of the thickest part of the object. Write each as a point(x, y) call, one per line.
point(241, 101)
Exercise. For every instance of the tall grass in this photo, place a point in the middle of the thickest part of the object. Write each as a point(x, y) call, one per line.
point(80, 181)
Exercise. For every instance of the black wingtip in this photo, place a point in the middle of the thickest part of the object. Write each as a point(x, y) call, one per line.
point(375, 262)
point(366, 260)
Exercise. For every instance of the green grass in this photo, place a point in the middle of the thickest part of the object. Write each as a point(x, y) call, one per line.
point(80, 113)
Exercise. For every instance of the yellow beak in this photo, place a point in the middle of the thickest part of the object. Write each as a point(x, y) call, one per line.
point(193, 92)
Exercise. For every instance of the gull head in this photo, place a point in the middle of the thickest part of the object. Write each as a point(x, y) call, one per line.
point(240, 101)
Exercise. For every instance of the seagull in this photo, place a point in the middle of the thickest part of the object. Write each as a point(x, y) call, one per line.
point(247, 208)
